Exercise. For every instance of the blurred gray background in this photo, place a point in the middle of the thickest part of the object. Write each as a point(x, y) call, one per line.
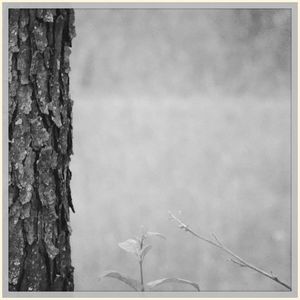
point(188, 111)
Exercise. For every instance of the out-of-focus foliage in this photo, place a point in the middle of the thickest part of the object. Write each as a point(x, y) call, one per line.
point(182, 110)
point(182, 52)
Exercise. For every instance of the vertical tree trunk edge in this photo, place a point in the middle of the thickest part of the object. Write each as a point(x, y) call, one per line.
point(40, 147)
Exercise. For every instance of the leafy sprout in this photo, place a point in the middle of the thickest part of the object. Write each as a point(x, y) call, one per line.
point(138, 247)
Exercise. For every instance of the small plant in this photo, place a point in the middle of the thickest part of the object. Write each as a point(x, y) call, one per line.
point(140, 249)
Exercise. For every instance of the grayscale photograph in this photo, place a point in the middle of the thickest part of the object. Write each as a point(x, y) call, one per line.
point(150, 150)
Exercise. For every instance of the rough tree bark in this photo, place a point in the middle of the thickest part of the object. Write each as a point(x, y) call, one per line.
point(40, 146)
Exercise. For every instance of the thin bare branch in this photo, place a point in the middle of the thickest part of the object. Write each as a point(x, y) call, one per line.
point(238, 263)
point(217, 240)
point(236, 259)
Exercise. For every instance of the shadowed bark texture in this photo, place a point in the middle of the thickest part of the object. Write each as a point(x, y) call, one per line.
point(40, 146)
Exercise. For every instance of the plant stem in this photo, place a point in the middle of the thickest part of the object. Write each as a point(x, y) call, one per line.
point(240, 261)
point(141, 265)
point(142, 278)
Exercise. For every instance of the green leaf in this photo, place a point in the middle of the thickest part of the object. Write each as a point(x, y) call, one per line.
point(131, 246)
point(158, 282)
point(149, 233)
point(144, 251)
point(124, 278)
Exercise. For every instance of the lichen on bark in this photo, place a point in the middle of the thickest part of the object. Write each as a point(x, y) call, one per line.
point(40, 145)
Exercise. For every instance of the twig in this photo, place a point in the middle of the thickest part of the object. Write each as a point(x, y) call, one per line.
point(238, 263)
point(215, 237)
point(237, 259)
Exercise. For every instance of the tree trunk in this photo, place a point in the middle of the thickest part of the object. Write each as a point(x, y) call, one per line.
point(40, 146)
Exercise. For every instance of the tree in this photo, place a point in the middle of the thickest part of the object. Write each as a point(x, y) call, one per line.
point(40, 146)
